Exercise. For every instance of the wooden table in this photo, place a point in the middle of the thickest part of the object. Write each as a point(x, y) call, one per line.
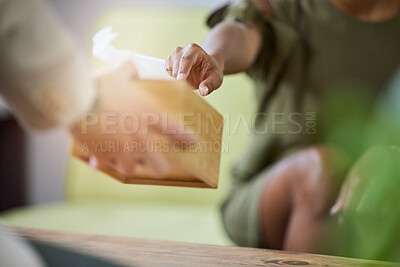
point(142, 252)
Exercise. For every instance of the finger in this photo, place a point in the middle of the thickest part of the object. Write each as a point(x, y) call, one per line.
point(126, 160)
point(125, 163)
point(168, 65)
point(99, 162)
point(337, 207)
point(186, 138)
point(212, 82)
point(183, 136)
point(151, 158)
point(342, 199)
point(199, 70)
point(79, 151)
point(175, 131)
point(144, 152)
point(176, 60)
point(92, 162)
point(187, 61)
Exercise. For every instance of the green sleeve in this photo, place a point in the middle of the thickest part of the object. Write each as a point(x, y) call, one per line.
point(246, 12)
point(250, 14)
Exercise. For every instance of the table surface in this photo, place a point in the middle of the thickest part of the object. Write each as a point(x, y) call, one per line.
point(142, 252)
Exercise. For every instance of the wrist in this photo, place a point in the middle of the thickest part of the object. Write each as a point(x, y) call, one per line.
point(219, 60)
point(75, 127)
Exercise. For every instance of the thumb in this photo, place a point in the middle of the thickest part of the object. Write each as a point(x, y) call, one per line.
point(212, 82)
point(127, 69)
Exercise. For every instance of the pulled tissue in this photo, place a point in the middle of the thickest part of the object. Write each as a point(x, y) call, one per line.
point(146, 66)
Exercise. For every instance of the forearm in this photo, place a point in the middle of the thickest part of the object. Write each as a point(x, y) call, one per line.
point(234, 44)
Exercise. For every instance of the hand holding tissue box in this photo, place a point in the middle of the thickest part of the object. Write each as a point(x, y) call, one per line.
point(195, 165)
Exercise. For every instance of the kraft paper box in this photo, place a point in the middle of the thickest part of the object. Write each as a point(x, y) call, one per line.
point(197, 166)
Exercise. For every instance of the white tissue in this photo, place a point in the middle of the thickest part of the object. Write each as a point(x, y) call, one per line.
point(146, 66)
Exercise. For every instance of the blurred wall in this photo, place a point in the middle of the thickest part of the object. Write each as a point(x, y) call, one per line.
point(79, 16)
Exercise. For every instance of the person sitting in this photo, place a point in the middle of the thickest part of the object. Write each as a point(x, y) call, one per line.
point(298, 54)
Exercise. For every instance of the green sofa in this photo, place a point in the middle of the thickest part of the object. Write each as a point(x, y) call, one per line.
point(98, 204)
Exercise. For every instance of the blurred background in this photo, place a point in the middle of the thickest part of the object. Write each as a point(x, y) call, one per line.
point(41, 186)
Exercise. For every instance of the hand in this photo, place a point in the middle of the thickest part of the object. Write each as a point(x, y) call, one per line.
point(201, 70)
point(367, 188)
point(116, 135)
point(346, 194)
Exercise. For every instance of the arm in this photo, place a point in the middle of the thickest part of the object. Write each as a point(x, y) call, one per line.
point(43, 77)
point(234, 44)
point(47, 84)
point(230, 47)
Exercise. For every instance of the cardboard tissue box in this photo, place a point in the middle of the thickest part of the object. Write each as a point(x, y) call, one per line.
point(196, 166)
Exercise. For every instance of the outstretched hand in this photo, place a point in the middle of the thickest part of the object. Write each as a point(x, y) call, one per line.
point(201, 70)
point(120, 132)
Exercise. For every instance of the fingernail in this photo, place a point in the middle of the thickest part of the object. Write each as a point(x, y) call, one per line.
point(201, 90)
point(206, 90)
point(334, 210)
point(181, 76)
point(93, 162)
